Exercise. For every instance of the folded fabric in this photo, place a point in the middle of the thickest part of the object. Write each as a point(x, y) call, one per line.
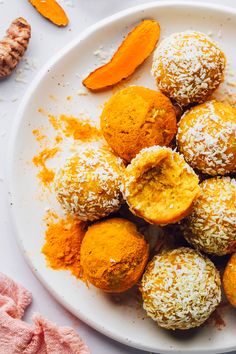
point(19, 337)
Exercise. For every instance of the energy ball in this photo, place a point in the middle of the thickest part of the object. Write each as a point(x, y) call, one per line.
point(89, 184)
point(113, 255)
point(188, 67)
point(211, 227)
point(180, 289)
point(229, 280)
point(207, 138)
point(159, 186)
point(137, 117)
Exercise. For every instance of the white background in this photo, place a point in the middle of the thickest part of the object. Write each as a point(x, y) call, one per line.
point(46, 40)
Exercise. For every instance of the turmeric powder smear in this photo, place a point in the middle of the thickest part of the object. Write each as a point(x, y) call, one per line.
point(63, 241)
point(75, 128)
point(45, 175)
point(38, 135)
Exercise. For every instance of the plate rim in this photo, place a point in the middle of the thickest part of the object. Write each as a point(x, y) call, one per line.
point(11, 153)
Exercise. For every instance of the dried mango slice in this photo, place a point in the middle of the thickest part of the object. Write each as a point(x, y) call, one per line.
point(135, 48)
point(51, 10)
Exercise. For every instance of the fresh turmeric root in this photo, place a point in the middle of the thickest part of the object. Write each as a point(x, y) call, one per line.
point(135, 48)
point(13, 46)
point(51, 10)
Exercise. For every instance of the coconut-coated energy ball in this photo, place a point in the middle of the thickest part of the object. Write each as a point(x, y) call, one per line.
point(188, 67)
point(137, 117)
point(113, 255)
point(89, 184)
point(229, 280)
point(211, 226)
point(159, 186)
point(180, 289)
point(207, 138)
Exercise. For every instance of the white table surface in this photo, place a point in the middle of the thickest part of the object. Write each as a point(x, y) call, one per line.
point(46, 40)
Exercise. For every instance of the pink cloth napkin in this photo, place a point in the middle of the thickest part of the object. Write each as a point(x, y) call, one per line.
point(43, 337)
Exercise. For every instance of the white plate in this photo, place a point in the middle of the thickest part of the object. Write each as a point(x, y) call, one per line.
point(119, 321)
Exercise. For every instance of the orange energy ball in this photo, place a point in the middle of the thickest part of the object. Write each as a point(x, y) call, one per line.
point(89, 184)
point(160, 187)
point(211, 226)
point(188, 67)
point(229, 280)
point(137, 117)
point(207, 138)
point(113, 255)
point(180, 289)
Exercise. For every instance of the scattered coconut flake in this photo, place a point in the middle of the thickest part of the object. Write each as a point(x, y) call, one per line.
point(82, 92)
point(69, 3)
point(20, 76)
point(31, 63)
point(27, 64)
point(103, 55)
point(219, 34)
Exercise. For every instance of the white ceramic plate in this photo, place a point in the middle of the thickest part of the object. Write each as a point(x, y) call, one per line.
point(120, 321)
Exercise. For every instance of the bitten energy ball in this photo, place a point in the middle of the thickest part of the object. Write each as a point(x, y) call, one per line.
point(137, 117)
point(88, 185)
point(160, 187)
point(113, 255)
point(188, 67)
point(229, 280)
point(211, 226)
point(180, 289)
point(207, 138)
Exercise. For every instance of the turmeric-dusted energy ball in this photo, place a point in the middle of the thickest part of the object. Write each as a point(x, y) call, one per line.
point(137, 117)
point(88, 185)
point(229, 280)
point(113, 255)
point(188, 67)
point(160, 187)
point(180, 289)
point(211, 226)
point(207, 138)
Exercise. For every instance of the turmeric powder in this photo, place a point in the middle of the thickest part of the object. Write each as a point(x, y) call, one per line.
point(75, 128)
point(63, 238)
point(52, 11)
point(79, 130)
point(38, 135)
point(45, 175)
point(68, 126)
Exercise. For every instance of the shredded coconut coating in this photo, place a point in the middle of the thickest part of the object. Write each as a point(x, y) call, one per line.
point(180, 289)
point(207, 138)
point(188, 67)
point(211, 227)
point(89, 184)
